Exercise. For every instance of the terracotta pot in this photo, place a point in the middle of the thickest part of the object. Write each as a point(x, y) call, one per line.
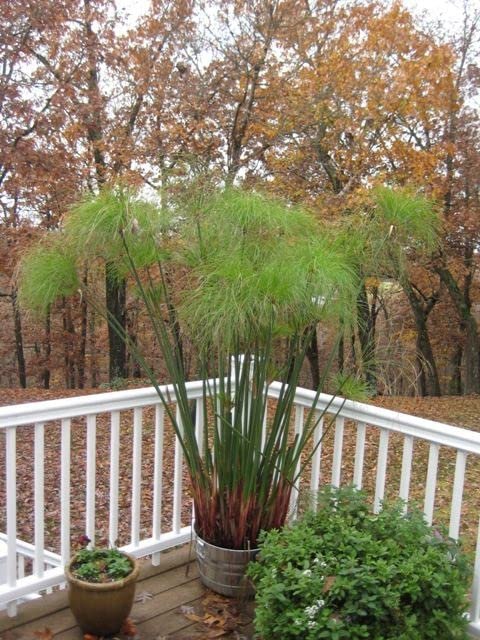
point(101, 608)
point(223, 570)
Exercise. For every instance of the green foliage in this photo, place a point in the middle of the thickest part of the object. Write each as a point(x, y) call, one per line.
point(100, 565)
point(411, 217)
point(259, 266)
point(101, 225)
point(345, 573)
point(47, 273)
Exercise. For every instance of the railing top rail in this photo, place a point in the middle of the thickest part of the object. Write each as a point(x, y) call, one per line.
point(46, 410)
point(437, 432)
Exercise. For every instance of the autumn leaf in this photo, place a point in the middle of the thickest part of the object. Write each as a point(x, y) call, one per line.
point(329, 582)
point(129, 628)
point(46, 634)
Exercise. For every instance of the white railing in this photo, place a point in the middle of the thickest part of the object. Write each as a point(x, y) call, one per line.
point(25, 553)
point(351, 419)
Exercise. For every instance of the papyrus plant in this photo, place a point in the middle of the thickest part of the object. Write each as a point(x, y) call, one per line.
point(256, 278)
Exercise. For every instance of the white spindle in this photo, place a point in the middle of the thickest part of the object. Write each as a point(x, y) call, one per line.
point(299, 415)
point(457, 495)
point(39, 481)
point(199, 424)
point(20, 566)
point(337, 451)
point(158, 478)
point(264, 428)
point(381, 470)
point(406, 469)
point(177, 481)
point(317, 456)
point(431, 484)
point(91, 461)
point(114, 476)
point(475, 605)
point(359, 455)
point(136, 475)
point(11, 487)
point(65, 490)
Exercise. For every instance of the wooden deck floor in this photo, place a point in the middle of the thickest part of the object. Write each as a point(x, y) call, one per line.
point(164, 596)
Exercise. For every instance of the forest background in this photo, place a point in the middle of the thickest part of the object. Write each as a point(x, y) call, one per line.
point(312, 101)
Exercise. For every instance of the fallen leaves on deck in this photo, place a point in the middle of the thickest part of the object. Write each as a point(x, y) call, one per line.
point(217, 616)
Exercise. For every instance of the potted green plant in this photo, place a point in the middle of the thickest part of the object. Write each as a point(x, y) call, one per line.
point(101, 588)
point(245, 278)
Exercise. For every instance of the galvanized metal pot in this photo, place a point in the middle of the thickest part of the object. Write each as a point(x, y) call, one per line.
point(101, 608)
point(223, 570)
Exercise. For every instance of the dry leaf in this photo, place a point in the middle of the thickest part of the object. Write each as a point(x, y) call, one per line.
point(128, 628)
point(217, 633)
point(46, 634)
point(187, 609)
point(329, 581)
point(143, 597)
point(193, 617)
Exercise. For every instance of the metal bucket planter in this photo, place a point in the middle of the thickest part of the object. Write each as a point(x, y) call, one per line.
point(223, 570)
point(101, 608)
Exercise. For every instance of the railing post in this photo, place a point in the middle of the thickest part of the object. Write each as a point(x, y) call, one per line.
point(475, 606)
point(3, 566)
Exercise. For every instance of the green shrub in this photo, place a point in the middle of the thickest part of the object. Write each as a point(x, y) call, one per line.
point(345, 573)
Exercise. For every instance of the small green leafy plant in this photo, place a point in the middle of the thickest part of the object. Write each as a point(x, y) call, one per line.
point(342, 572)
point(100, 565)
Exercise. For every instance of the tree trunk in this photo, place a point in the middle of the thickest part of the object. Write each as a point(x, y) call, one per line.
point(455, 384)
point(69, 341)
point(83, 338)
point(17, 320)
point(469, 324)
point(92, 349)
point(115, 291)
point(45, 376)
point(366, 332)
point(313, 360)
point(427, 368)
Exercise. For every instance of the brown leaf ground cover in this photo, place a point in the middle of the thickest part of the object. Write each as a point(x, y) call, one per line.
point(460, 411)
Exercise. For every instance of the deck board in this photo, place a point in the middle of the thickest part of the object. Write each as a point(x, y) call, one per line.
point(158, 617)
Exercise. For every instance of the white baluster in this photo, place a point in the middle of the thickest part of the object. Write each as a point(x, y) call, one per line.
point(406, 469)
point(39, 499)
point(337, 451)
point(359, 455)
point(199, 424)
point(317, 456)
point(65, 490)
point(20, 566)
point(177, 481)
point(475, 604)
point(158, 478)
point(381, 470)
point(299, 414)
point(431, 484)
point(11, 486)
point(91, 462)
point(457, 495)
point(136, 475)
point(114, 476)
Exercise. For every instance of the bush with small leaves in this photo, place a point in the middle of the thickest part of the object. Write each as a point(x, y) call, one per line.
point(342, 573)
